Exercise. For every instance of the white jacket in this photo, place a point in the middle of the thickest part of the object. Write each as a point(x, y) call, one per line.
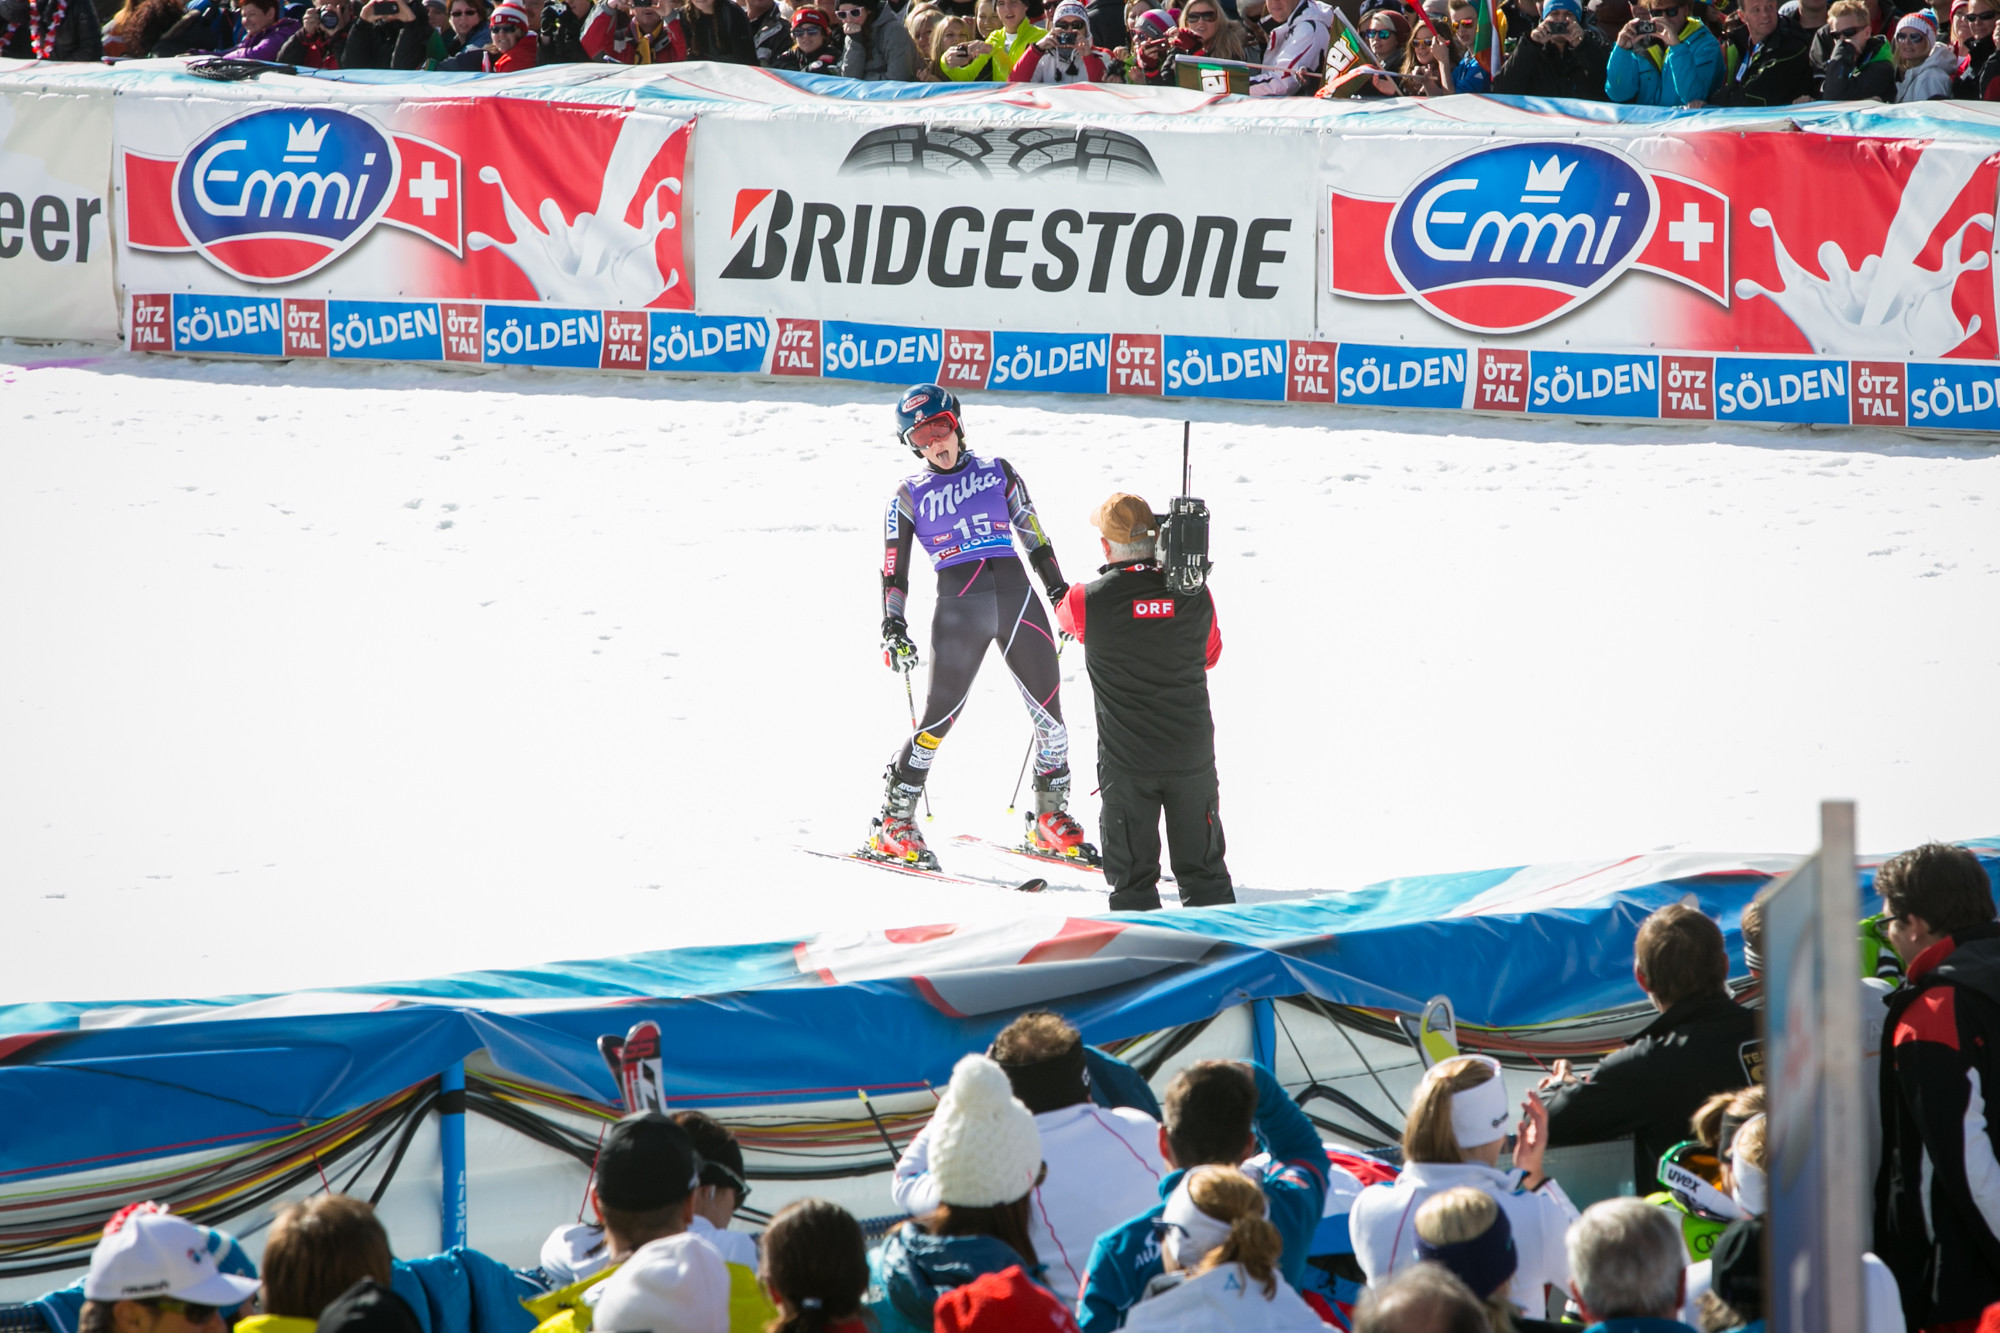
point(1104, 1168)
point(1931, 79)
point(1297, 47)
point(1383, 1225)
point(1225, 1297)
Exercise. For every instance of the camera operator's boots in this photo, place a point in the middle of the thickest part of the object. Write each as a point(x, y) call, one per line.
point(1052, 831)
point(894, 835)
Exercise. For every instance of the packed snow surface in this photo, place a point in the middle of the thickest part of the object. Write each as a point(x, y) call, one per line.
point(316, 675)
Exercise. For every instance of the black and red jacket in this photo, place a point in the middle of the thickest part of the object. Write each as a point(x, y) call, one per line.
point(1937, 1199)
point(1149, 652)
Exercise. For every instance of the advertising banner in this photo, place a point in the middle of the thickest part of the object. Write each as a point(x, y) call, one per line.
point(367, 202)
point(1625, 238)
point(1008, 224)
point(55, 235)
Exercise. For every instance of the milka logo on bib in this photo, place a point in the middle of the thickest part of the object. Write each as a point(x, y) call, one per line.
point(945, 499)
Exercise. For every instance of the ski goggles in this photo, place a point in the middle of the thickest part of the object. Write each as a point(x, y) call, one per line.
point(730, 1180)
point(921, 436)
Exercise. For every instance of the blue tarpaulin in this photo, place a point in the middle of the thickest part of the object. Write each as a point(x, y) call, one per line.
point(93, 1084)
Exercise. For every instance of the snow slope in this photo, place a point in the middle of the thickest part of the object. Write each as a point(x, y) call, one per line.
point(317, 675)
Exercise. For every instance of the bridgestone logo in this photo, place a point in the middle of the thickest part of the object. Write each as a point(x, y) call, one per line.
point(889, 245)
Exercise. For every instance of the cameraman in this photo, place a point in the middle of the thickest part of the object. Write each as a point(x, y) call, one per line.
point(390, 35)
point(1562, 56)
point(1149, 651)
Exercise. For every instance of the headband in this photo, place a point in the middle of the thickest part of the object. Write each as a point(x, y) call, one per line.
point(1485, 1262)
point(1049, 1085)
point(1190, 1233)
point(1479, 1114)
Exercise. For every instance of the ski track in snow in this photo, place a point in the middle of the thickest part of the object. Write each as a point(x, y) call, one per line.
point(317, 675)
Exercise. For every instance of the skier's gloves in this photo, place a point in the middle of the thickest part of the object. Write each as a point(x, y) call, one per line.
point(898, 653)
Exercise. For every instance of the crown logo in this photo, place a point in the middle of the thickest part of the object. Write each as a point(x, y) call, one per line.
point(1549, 177)
point(306, 137)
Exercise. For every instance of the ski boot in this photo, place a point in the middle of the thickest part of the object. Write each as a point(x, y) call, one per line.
point(1053, 832)
point(893, 836)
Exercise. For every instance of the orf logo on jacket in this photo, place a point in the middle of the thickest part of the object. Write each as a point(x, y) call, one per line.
point(280, 193)
point(1508, 238)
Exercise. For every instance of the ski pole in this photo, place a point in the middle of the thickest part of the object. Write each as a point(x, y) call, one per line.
point(911, 695)
point(1021, 777)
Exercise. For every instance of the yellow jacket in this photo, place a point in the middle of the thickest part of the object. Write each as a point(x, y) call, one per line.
point(275, 1323)
point(564, 1310)
point(1007, 50)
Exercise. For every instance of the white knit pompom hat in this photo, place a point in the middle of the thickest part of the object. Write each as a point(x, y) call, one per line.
point(984, 1149)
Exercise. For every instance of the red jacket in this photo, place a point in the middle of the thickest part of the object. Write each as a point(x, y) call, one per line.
point(1024, 68)
point(601, 41)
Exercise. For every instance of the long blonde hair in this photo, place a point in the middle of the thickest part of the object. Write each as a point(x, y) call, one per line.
point(1227, 44)
point(1427, 1133)
point(1463, 1214)
point(1739, 1105)
point(1227, 1195)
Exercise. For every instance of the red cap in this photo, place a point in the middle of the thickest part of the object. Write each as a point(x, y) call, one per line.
point(1004, 1302)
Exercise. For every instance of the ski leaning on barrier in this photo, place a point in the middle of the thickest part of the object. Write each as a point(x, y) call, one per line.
point(967, 512)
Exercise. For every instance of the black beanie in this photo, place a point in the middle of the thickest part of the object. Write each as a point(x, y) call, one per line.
point(647, 1162)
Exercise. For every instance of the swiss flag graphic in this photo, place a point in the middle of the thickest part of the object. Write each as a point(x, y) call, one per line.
point(1691, 238)
point(429, 197)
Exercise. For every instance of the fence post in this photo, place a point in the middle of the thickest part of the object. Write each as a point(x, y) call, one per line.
point(451, 1142)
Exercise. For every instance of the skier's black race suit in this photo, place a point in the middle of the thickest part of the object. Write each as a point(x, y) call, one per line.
point(967, 521)
point(1149, 651)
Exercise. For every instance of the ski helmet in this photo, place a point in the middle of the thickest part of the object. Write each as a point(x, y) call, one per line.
point(921, 403)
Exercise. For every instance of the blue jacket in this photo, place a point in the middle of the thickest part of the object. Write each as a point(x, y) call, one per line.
point(1469, 76)
point(912, 1268)
point(459, 1291)
point(1643, 1325)
point(1127, 1257)
point(1115, 1083)
point(1691, 71)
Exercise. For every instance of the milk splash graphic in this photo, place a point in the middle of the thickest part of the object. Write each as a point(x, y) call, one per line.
point(597, 260)
point(1887, 307)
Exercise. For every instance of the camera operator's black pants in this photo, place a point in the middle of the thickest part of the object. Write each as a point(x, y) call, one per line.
point(1130, 829)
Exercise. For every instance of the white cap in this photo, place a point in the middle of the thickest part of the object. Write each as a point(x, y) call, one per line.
point(1479, 1114)
point(147, 1252)
point(985, 1148)
point(676, 1285)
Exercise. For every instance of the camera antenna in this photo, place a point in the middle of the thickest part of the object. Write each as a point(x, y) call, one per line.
point(1187, 485)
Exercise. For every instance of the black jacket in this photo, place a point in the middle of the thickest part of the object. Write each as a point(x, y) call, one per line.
point(1544, 69)
point(1148, 651)
point(390, 45)
point(722, 34)
point(1852, 78)
point(1776, 72)
point(1981, 71)
point(78, 37)
point(1943, 1026)
point(1650, 1087)
point(770, 38)
point(214, 29)
point(561, 36)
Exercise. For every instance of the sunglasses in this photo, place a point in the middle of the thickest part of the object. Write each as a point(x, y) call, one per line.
point(188, 1310)
point(1845, 33)
point(1913, 38)
point(1878, 926)
point(850, 12)
point(1380, 34)
point(1465, 23)
point(736, 1182)
point(1986, 17)
point(1200, 18)
point(1071, 27)
point(465, 13)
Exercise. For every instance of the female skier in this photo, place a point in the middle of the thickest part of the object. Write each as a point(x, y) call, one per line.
point(966, 512)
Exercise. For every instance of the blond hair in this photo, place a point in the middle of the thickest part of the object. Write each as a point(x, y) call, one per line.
point(1427, 1132)
point(1227, 1195)
point(1749, 1144)
point(1850, 7)
point(1459, 1215)
point(1739, 1105)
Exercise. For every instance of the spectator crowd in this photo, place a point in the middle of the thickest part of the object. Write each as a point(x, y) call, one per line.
point(1051, 1190)
point(1668, 53)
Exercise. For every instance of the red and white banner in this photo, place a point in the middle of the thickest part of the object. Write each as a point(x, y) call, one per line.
point(473, 198)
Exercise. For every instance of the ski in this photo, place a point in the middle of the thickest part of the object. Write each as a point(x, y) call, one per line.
point(1018, 849)
point(612, 1047)
point(905, 868)
point(640, 1072)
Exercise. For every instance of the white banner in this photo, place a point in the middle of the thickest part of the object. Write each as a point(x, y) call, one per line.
point(900, 214)
point(55, 234)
